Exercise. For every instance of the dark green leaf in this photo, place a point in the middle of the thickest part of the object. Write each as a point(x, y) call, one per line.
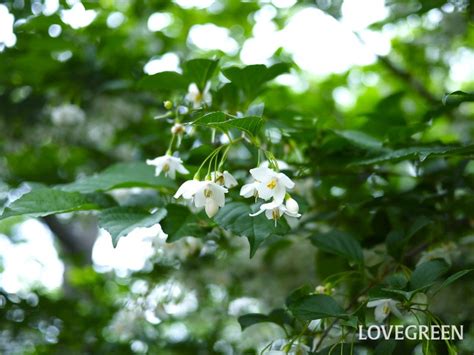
point(277, 316)
point(134, 174)
point(457, 97)
point(339, 243)
point(451, 279)
point(235, 218)
point(360, 139)
point(43, 202)
point(251, 78)
point(427, 273)
point(120, 221)
point(199, 71)
point(181, 222)
point(164, 81)
point(386, 347)
point(316, 307)
point(420, 153)
point(251, 125)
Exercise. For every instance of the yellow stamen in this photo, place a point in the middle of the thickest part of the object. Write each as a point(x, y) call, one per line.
point(166, 168)
point(207, 193)
point(272, 184)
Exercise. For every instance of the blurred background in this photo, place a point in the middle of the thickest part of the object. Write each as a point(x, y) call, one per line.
point(70, 106)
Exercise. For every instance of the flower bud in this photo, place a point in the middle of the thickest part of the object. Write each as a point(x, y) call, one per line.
point(168, 104)
point(177, 128)
point(292, 206)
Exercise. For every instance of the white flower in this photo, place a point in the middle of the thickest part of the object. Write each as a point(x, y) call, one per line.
point(383, 307)
point(207, 194)
point(275, 210)
point(169, 165)
point(249, 190)
point(285, 347)
point(198, 98)
point(224, 179)
point(271, 184)
point(67, 114)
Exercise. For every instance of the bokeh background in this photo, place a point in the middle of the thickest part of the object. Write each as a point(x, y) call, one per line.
point(70, 106)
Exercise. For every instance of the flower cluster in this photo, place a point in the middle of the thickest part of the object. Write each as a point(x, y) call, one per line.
point(269, 184)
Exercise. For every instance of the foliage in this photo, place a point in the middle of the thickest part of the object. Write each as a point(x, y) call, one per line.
point(381, 207)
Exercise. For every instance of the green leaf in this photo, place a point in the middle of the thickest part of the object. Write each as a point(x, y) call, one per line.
point(339, 243)
point(316, 307)
point(235, 218)
point(360, 139)
point(251, 78)
point(251, 125)
point(427, 273)
point(457, 97)
point(385, 347)
point(420, 153)
point(164, 81)
point(451, 279)
point(419, 224)
point(277, 316)
point(200, 71)
point(44, 201)
point(181, 222)
point(120, 221)
point(134, 174)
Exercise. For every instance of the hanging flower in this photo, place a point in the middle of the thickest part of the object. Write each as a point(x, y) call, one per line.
point(207, 194)
point(292, 206)
point(224, 179)
point(271, 184)
point(169, 165)
point(249, 190)
point(198, 98)
point(275, 210)
point(383, 307)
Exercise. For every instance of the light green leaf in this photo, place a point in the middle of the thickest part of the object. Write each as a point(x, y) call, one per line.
point(316, 307)
point(235, 218)
point(427, 273)
point(134, 174)
point(339, 243)
point(251, 125)
point(120, 221)
point(44, 201)
point(181, 222)
point(200, 71)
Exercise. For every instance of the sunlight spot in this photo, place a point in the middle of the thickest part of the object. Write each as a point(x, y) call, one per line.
point(7, 37)
point(131, 254)
point(158, 21)
point(168, 62)
point(359, 16)
point(32, 262)
point(212, 37)
point(54, 30)
point(78, 17)
point(115, 19)
point(50, 7)
point(199, 4)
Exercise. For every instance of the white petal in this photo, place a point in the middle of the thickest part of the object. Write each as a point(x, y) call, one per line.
point(188, 189)
point(376, 303)
point(286, 181)
point(211, 207)
point(248, 190)
point(229, 180)
point(279, 193)
point(182, 170)
point(262, 174)
point(264, 192)
point(380, 313)
point(199, 199)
